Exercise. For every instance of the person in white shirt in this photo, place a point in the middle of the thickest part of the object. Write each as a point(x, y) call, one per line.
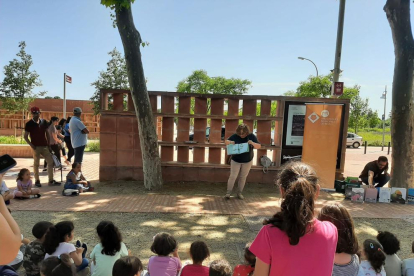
point(57, 243)
point(373, 259)
point(5, 192)
point(391, 246)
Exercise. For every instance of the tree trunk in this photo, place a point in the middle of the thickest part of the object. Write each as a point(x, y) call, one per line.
point(402, 114)
point(131, 41)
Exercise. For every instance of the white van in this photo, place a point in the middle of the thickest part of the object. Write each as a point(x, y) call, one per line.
point(353, 140)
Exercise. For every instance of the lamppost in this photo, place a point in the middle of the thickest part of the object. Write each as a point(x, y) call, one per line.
point(302, 58)
point(384, 97)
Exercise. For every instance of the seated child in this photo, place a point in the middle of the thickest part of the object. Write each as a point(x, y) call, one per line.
point(24, 186)
point(163, 264)
point(76, 180)
point(128, 266)
point(57, 242)
point(220, 268)
point(391, 246)
point(248, 268)
point(198, 252)
point(35, 252)
point(4, 191)
point(408, 264)
point(58, 266)
point(374, 258)
point(109, 250)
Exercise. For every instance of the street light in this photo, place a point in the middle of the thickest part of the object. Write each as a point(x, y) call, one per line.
point(384, 97)
point(302, 58)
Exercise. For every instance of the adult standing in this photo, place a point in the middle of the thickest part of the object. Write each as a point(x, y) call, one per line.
point(37, 128)
point(294, 241)
point(376, 172)
point(53, 137)
point(78, 134)
point(68, 142)
point(241, 163)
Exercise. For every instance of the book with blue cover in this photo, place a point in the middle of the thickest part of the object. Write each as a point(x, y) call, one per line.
point(237, 148)
point(410, 196)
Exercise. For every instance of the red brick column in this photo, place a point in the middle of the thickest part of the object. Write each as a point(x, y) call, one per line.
point(183, 128)
point(200, 129)
point(167, 106)
point(217, 108)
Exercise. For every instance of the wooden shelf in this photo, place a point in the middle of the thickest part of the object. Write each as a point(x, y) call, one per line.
point(205, 145)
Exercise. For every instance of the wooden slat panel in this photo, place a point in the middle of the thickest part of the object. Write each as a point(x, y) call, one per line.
point(183, 129)
point(264, 128)
point(200, 129)
point(167, 152)
point(217, 108)
point(249, 108)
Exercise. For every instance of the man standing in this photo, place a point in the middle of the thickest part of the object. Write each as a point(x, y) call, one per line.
point(376, 172)
point(78, 134)
point(36, 128)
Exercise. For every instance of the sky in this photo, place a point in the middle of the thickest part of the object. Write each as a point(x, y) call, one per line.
point(255, 40)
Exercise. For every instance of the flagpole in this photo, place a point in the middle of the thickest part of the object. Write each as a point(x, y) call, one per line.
point(64, 95)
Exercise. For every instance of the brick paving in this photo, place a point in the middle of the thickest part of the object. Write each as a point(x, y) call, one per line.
point(254, 206)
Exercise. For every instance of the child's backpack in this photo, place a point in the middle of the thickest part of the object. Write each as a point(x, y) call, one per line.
point(70, 192)
point(265, 162)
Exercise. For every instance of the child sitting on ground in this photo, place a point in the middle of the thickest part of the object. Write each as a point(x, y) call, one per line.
point(391, 246)
point(57, 242)
point(75, 179)
point(374, 258)
point(408, 264)
point(163, 264)
point(248, 268)
point(24, 186)
point(4, 190)
point(35, 252)
point(220, 268)
point(58, 266)
point(128, 266)
point(111, 248)
point(346, 261)
point(198, 252)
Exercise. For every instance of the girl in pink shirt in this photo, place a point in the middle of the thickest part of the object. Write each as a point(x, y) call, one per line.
point(293, 242)
point(198, 252)
point(164, 265)
point(24, 186)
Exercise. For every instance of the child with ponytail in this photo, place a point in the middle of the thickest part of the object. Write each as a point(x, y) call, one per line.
point(111, 248)
point(57, 242)
point(294, 241)
point(374, 256)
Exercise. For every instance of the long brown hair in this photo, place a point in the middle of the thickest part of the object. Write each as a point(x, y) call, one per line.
point(21, 174)
point(299, 183)
point(242, 129)
point(340, 217)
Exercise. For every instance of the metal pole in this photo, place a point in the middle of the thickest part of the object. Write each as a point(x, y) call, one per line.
point(64, 95)
point(389, 147)
point(317, 72)
point(383, 121)
point(338, 52)
point(365, 147)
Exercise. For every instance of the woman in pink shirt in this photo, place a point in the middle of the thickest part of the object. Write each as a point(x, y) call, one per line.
point(293, 242)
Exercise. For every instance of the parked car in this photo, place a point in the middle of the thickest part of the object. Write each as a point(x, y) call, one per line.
point(353, 140)
point(223, 132)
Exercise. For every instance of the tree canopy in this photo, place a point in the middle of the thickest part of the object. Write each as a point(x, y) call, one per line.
point(16, 89)
point(114, 77)
point(200, 82)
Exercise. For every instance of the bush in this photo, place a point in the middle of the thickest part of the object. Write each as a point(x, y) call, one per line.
point(12, 140)
point(94, 147)
point(374, 139)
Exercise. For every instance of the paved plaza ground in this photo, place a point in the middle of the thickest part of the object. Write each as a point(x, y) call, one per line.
point(192, 211)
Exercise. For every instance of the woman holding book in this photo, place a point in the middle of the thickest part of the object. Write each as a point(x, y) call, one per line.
point(241, 163)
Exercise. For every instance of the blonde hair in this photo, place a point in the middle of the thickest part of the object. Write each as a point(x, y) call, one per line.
point(242, 129)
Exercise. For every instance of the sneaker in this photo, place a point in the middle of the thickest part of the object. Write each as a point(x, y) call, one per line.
point(78, 243)
point(45, 170)
point(227, 196)
point(37, 196)
point(240, 196)
point(54, 183)
point(37, 183)
point(91, 189)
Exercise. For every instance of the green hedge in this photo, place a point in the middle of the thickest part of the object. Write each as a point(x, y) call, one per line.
point(93, 147)
point(12, 140)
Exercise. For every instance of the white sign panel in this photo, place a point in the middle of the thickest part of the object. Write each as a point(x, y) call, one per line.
point(295, 125)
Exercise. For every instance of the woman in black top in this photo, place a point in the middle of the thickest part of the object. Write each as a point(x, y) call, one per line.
point(241, 163)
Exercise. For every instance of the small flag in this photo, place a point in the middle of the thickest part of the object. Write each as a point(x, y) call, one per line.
point(68, 79)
